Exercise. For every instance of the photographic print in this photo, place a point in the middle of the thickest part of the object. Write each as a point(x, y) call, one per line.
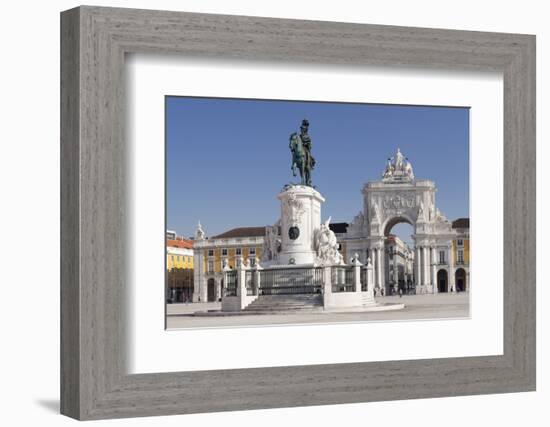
point(297, 225)
point(293, 212)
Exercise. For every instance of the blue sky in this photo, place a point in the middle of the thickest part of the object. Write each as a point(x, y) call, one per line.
point(227, 159)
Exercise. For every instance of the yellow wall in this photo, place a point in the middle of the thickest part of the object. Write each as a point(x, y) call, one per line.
point(231, 257)
point(466, 249)
point(178, 261)
point(217, 260)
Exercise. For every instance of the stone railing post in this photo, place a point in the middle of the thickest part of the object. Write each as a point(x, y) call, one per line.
point(327, 286)
point(356, 272)
point(225, 270)
point(241, 278)
point(257, 268)
point(327, 279)
point(370, 276)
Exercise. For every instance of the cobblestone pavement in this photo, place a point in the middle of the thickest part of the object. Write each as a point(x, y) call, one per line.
point(417, 307)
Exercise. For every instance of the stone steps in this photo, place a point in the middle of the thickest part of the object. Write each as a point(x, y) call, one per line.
point(274, 303)
point(367, 300)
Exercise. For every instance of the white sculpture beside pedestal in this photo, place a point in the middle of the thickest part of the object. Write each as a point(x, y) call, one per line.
point(300, 218)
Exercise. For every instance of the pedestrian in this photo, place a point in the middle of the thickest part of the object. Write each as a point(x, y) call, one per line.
point(400, 293)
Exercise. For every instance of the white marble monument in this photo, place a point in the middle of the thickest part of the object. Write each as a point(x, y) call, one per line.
point(300, 220)
point(400, 197)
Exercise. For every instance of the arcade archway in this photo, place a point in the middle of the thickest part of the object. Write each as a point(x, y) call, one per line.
point(460, 280)
point(211, 290)
point(442, 281)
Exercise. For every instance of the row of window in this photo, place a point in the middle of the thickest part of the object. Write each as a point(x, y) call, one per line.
point(210, 264)
point(238, 251)
point(178, 258)
point(460, 256)
point(442, 256)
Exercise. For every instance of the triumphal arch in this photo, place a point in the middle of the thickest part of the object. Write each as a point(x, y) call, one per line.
point(396, 198)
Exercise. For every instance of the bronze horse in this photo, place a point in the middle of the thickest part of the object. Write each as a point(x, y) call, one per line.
point(301, 159)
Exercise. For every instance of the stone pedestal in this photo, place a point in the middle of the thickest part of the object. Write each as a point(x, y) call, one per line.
point(300, 217)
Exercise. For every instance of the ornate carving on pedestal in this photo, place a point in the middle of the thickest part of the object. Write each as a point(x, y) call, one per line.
point(293, 208)
point(300, 217)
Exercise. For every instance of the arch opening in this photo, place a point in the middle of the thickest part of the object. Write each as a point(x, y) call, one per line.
point(442, 281)
point(211, 290)
point(399, 256)
point(460, 280)
point(397, 221)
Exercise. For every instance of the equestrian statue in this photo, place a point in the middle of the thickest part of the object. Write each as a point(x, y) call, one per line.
point(300, 147)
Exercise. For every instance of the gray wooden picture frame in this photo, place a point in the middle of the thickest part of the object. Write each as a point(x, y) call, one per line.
point(94, 382)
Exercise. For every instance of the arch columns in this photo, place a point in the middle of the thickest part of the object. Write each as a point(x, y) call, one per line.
point(434, 272)
point(377, 258)
point(395, 273)
point(426, 266)
point(451, 278)
point(417, 264)
point(429, 268)
point(376, 264)
point(379, 268)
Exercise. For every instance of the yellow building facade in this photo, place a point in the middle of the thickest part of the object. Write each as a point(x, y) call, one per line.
point(177, 260)
point(179, 270)
point(229, 248)
point(230, 255)
point(461, 254)
point(461, 251)
point(179, 253)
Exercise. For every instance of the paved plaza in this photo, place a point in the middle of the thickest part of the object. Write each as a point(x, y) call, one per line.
point(417, 307)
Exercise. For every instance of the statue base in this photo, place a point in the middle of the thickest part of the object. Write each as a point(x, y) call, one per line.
point(300, 217)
